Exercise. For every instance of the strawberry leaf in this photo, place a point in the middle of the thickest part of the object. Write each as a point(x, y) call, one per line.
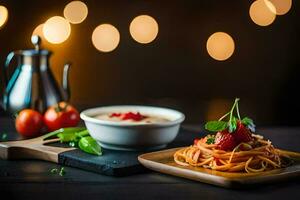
point(232, 124)
point(249, 123)
point(216, 125)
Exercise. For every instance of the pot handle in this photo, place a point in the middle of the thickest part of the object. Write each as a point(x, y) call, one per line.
point(9, 58)
point(65, 82)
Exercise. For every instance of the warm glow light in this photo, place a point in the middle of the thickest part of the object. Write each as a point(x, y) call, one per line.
point(217, 108)
point(56, 30)
point(282, 6)
point(262, 12)
point(143, 29)
point(220, 46)
point(3, 15)
point(39, 31)
point(105, 37)
point(76, 12)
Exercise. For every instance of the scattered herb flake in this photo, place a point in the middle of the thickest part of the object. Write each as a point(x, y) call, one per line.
point(4, 136)
point(72, 144)
point(54, 171)
point(62, 171)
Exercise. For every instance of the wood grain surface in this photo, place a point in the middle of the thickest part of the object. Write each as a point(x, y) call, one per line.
point(31, 149)
point(162, 161)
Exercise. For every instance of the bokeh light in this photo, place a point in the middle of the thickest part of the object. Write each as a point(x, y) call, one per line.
point(56, 30)
point(76, 12)
point(282, 6)
point(143, 29)
point(3, 15)
point(220, 46)
point(39, 31)
point(262, 12)
point(105, 37)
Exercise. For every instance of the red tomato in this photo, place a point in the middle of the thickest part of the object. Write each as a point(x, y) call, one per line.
point(60, 116)
point(29, 123)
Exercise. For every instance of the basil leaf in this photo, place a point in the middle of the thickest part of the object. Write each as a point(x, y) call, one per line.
point(249, 123)
point(89, 145)
point(216, 125)
point(67, 137)
point(63, 130)
point(232, 125)
point(72, 136)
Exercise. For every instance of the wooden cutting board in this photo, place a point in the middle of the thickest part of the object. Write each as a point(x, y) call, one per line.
point(162, 161)
point(112, 163)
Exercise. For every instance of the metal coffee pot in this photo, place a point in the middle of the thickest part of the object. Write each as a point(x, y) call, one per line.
point(32, 84)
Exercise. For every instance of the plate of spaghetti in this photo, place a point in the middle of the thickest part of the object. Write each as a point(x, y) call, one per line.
point(232, 152)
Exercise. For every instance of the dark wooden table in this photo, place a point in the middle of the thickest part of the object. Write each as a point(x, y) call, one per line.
point(31, 179)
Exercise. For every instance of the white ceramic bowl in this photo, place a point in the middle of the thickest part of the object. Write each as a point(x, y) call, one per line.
point(132, 136)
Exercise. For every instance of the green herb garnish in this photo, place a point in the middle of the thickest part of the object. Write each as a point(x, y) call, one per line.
point(210, 139)
point(77, 136)
point(54, 171)
point(72, 136)
point(72, 130)
point(62, 171)
point(231, 124)
point(216, 125)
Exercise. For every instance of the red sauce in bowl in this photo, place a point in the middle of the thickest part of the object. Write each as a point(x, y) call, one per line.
point(129, 115)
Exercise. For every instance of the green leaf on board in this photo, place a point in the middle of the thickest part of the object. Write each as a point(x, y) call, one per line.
point(90, 145)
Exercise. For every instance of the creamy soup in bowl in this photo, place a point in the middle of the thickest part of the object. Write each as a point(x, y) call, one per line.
point(132, 127)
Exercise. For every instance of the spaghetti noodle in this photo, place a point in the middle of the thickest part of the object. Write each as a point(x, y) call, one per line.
point(258, 155)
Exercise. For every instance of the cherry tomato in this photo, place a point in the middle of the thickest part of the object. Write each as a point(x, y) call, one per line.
point(60, 116)
point(29, 123)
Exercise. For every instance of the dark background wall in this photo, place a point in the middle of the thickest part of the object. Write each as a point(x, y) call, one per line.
point(175, 70)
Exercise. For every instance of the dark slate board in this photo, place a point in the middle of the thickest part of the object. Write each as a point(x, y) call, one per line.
point(116, 163)
point(111, 163)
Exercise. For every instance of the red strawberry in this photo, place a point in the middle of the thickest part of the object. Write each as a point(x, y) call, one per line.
point(242, 133)
point(225, 141)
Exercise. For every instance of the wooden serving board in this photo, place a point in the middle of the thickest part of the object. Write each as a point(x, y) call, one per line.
point(111, 163)
point(162, 161)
